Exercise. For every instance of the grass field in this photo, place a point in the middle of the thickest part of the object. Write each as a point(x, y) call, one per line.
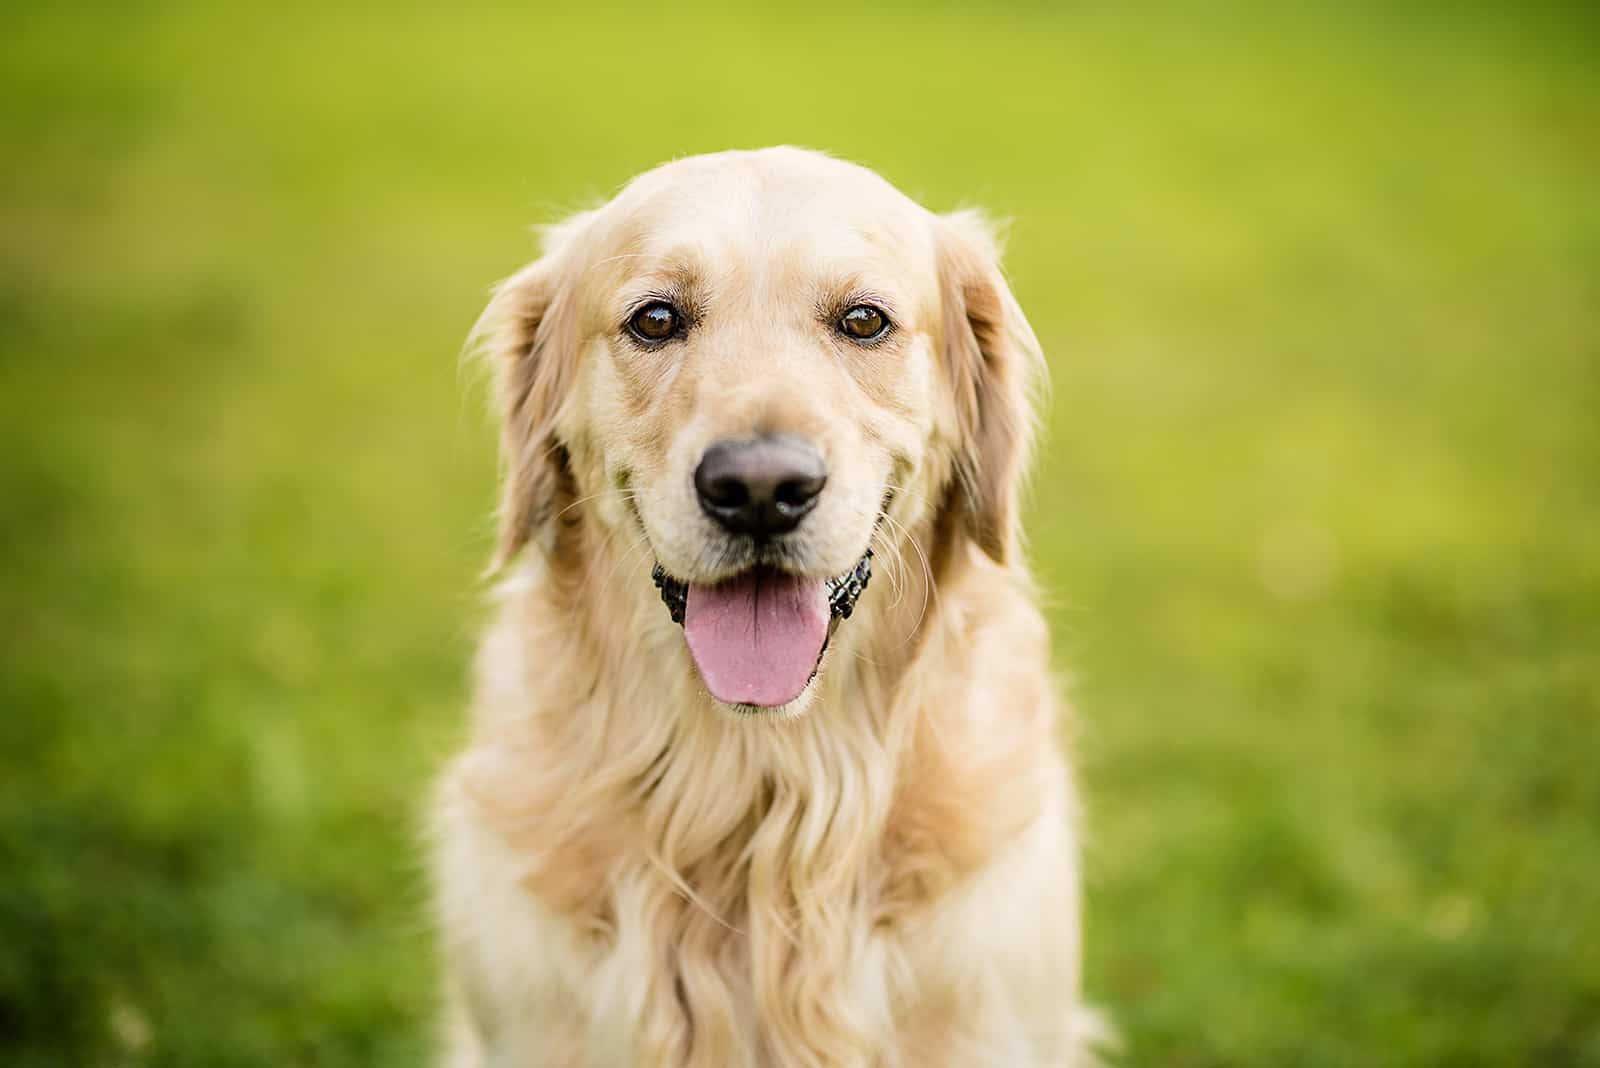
point(1318, 512)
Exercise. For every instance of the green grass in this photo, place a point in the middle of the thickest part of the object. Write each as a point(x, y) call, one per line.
point(1318, 512)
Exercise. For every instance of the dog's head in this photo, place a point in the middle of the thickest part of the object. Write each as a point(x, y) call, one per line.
point(758, 363)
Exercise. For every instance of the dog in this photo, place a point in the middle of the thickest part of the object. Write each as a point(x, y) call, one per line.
point(763, 768)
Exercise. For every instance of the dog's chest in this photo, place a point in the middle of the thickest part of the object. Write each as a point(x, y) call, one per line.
point(740, 965)
point(785, 935)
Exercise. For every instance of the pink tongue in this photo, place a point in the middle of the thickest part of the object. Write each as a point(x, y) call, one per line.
point(756, 638)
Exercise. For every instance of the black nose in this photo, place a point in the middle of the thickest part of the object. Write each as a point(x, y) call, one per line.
point(760, 486)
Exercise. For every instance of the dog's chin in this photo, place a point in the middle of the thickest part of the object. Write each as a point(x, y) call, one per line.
point(791, 710)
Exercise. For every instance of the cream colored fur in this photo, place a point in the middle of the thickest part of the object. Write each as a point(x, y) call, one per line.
point(881, 874)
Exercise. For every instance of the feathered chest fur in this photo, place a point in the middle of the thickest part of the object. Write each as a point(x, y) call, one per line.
point(766, 877)
point(749, 891)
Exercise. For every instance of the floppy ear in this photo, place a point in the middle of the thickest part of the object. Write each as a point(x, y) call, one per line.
point(994, 361)
point(526, 334)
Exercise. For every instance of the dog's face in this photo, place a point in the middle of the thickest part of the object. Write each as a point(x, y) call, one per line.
point(759, 364)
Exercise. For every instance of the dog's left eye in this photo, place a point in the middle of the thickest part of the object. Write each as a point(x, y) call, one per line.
point(863, 322)
point(655, 322)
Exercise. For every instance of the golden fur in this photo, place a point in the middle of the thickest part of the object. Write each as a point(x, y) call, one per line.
point(883, 873)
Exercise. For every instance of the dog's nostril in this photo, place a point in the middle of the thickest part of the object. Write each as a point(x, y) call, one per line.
point(728, 493)
point(760, 486)
point(797, 493)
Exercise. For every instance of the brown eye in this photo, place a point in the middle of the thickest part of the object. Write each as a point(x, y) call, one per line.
point(655, 322)
point(863, 322)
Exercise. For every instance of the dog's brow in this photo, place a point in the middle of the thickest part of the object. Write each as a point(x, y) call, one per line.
point(672, 269)
point(834, 296)
point(623, 256)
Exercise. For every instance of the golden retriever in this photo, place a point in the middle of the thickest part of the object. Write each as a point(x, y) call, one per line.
point(763, 768)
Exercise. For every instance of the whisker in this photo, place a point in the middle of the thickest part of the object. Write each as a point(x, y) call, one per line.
point(625, 494)
point(928, 592)
point(623, 256)
point(886, 551)
point(626, 559)
point(897, 558)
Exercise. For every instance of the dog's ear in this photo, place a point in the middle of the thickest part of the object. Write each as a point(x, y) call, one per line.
point(527, 335)
point(994, 363)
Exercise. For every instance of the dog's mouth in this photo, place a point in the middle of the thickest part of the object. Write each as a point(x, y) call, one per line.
point(758, 638)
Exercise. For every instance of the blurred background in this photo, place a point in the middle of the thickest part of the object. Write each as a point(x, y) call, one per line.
point(1317, 513)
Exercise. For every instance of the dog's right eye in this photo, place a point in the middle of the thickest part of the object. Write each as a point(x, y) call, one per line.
point(655, 322)
point(863, 323)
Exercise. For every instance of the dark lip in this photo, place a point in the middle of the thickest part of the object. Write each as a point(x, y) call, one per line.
point(843, 590)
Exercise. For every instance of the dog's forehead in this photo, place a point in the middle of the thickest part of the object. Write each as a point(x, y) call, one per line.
point(799, 208)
